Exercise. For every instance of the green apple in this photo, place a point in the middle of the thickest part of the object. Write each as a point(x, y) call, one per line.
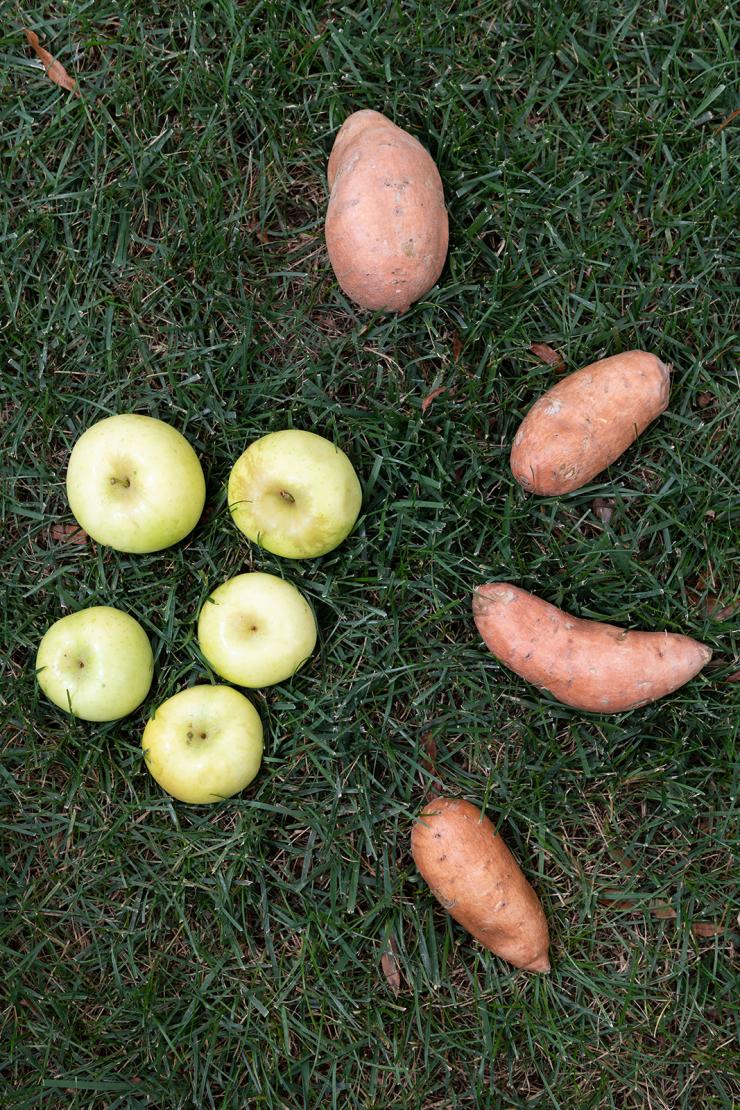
point(256, 630)
point(295, 494)
point(96, 663)
point(204, 744)
point(135, 483)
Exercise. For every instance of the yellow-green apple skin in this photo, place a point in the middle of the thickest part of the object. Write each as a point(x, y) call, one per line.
point(256, 630)
point(295, 494)
point(204, 744)
point(96, 664)
point(134, 483)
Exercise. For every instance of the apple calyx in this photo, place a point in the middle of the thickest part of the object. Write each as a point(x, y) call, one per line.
point(287, 496)
point(73, 663)
point(202, 735)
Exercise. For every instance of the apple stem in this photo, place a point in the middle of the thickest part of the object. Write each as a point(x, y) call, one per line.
point(125, 482)
point(286, 496)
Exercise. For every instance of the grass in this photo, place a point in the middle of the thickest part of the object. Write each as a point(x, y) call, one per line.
point(162, 252)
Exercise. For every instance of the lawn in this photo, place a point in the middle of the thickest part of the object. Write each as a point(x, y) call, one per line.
point(162, 252)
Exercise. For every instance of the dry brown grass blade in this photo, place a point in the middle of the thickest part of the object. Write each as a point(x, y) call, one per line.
point(430, 747)
point(430, 397)
point(389, 964)
point(730, 118)
point(55, 71)
point(548, 355)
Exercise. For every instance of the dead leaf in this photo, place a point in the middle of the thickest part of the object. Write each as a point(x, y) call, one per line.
point(734, 677)
point(657, 909)
point(548, 355)
point(621, 857)
point(706, 929)
point(430, 397)
point(68, 533)
point(603, 509)
point(55, 71)
point(719, 612)
point(660, 910)
point(614, 903)
point(457, 346)
point(259, 231)
point(389, 964)
point(712, 605)
point(705, 399)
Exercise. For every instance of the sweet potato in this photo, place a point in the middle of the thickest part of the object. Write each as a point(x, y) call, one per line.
point(585, 422)
point(583, 663)
point(475, 877)
point(386, 222)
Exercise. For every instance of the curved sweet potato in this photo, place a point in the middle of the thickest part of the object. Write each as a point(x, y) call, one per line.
point(477, 880)
point(585, 422)
point(586, 664)
point(386, 222)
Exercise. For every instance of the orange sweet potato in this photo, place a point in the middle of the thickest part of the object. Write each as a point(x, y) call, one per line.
point(386, 222)
point(586, 664)
point(585, 422)
point(477, 880)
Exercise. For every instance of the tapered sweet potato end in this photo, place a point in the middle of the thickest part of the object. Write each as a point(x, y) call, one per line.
point(491, 593)
point(533, 958)
point(350, 130)
point(664, 369)
point(527, 949)
point(488, 602)
point(541, 964)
